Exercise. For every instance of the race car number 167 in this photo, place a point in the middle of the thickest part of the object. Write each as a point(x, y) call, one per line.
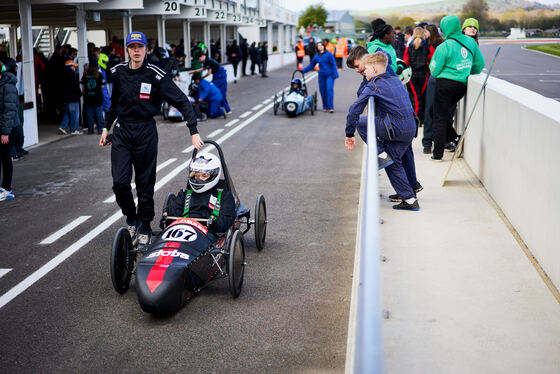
point(182, 233)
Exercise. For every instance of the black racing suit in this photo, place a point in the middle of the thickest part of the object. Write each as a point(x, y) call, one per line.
point(135, 100)
point(199, 207)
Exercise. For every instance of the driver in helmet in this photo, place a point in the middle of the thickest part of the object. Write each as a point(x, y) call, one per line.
point(296, 86)
point(206, 195)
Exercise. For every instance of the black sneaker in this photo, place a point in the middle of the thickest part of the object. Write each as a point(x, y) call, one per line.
point(437, 159)
point(395, 198)
point(427, 150)
point(403, 205)
point(450, 147)
point(383, 162)
point(418, 187)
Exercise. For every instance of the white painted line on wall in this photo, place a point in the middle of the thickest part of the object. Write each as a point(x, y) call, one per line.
point(4, 272)
point(246, 114)
point(214, 133)
point(231, 123)
point(112, 199)
point(257, 107)
point(65, 230)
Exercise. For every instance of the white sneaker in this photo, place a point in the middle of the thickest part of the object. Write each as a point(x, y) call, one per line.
point(63, 131)
point(6, 195)
point(143, 241)
point(77, 132)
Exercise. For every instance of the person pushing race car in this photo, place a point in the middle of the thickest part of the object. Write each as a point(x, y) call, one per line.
point(205, 195)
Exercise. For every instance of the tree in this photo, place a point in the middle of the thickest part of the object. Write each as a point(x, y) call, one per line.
point(476, 9)
point(313, 15)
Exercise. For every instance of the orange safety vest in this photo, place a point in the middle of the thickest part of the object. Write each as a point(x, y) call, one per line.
point(339, 50)
point(330, 48)
point(300, 50)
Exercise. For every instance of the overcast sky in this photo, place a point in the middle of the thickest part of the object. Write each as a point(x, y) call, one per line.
point(298, 5)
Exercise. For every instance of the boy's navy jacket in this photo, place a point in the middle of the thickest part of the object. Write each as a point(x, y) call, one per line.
point(391, 101)
point(327, 65)
point(199, 207)
point(8, 102)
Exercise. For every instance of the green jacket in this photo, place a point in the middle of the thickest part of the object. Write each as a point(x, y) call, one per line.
point(376, 44)
point(451, 59)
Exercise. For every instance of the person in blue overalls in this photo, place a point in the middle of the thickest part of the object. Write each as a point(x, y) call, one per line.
point(395, 124)
point(219, 76)
point(327, 74)
point(208, 92)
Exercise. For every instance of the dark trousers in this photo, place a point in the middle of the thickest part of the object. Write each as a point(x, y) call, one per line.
point(135, 145)
point(299, 62)
point(16, 139)
point(448, 93)
point(264, 64)
point(235, 64)
point(417, 91)
point(338, 61)
point(7, 167)
point(244, 66)
point(253, 64)
point(428, 136)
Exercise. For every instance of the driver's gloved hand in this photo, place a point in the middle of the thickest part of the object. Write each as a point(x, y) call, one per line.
point(212, 224)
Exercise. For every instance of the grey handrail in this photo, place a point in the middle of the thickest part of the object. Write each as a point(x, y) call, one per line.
point(368, 352)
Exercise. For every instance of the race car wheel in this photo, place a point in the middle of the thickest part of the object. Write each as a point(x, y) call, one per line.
point(122, 260)
point(165, 110)
point(260, 222)
point(236, 263)
point(275, 108)
point(315, 100)
point(312, 105)
point(282, 101)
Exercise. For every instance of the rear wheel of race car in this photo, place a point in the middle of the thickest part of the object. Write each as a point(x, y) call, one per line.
point(260, 222)
point(165, 110)
point(312, 105)
point(275, 108)
point(315, 100)
point(236, 263)
point(166, 204)
point(282, 101)
point(122, 260)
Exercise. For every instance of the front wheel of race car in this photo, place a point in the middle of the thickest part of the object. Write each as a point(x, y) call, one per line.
point(275, 107)
point(260, 222)
point(122, 260)
point(236, 264)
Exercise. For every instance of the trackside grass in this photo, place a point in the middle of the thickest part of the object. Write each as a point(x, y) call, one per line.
point(553, 49)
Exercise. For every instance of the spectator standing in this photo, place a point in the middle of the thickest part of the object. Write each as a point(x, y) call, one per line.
point(382, 41)
point(408, 31)
point(174, 63)
point(244, 47)
point(327, 74)
point(71, 95)
point(264, 59)
point(454, 60)
point(255, 55)
point(417, 55)
point(339, 53)
point(398, 43)
point(470, 28)
point(300, 53)
point(93, 84)
point(102, 64)
point(233, 53)
point(8, 113)
point(431, 34)
point(311, 48)
point(16, 136)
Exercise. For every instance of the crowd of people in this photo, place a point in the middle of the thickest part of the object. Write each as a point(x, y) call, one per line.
point(440, 65)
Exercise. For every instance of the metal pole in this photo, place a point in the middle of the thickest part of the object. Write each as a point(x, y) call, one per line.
point(82, 38)
point(30, 115)
point(13, 41)
point(187, 42)
point(368, 351)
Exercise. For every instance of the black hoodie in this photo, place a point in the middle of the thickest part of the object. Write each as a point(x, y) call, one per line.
point(8, 102)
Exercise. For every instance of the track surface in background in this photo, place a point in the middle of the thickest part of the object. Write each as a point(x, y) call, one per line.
point(292, 315)
point(535, 71)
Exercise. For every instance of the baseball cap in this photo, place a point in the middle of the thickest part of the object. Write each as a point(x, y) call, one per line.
point(70, 63)
point(136, 37)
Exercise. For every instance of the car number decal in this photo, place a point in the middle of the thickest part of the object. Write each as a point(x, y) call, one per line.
point(182, 233)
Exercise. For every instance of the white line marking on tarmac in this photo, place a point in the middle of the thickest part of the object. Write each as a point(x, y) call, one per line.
point(246, 114)
point(231, 123)
point(257, 107)
point(61, 257)
point(112, 199)
point(187, 150)
point(268, 100)
point(214, 133)
point(549, 80)
point(4, 272)
point(65, 230)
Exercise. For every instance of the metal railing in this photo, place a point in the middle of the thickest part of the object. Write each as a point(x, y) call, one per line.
point(368, 352)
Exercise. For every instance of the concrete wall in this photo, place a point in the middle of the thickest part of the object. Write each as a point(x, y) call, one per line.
point(512, 146)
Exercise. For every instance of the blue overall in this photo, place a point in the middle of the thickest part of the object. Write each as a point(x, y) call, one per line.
point(208, 92)
point(395, 127)
point(219, 79)
point(327, 74)
point(106, 97)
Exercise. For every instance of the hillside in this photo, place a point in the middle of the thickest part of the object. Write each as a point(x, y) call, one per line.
point(454, 6)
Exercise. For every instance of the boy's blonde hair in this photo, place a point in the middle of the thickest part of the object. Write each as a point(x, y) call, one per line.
point(377, 58)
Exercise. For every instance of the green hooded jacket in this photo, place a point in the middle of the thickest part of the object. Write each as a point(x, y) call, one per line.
point(451, 59)
point(376, 44)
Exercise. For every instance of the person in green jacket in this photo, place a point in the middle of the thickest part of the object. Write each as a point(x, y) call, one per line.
point(383, 37)
point(453, 62)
